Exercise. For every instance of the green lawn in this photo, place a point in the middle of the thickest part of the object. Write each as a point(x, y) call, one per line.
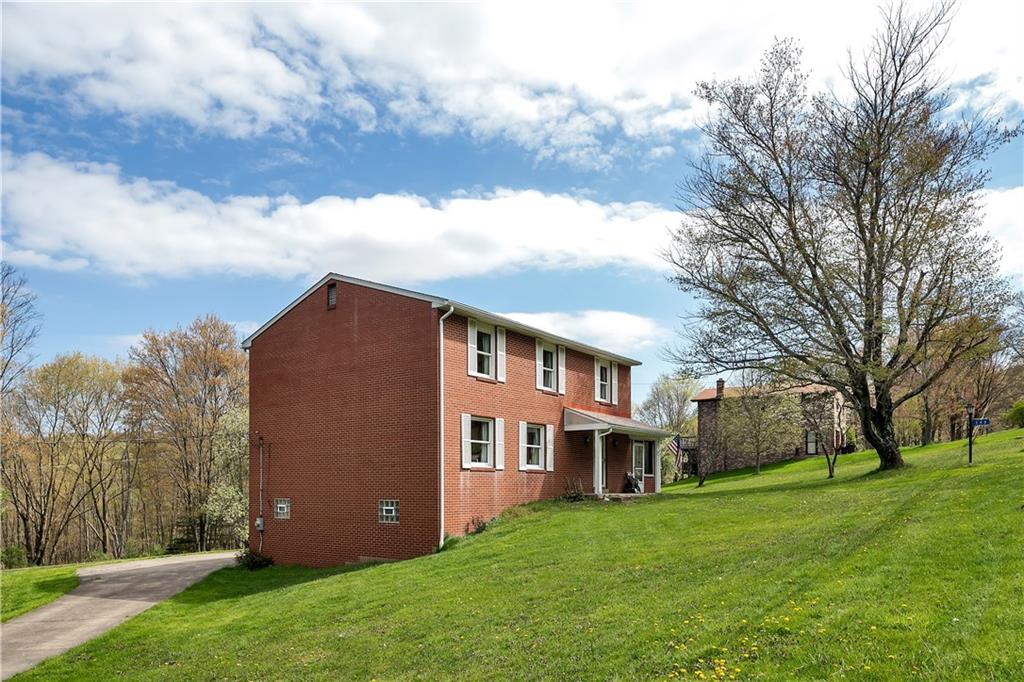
point(913, 573)
point(23, 589)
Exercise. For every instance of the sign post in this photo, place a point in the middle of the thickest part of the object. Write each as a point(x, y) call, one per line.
point(970, 434)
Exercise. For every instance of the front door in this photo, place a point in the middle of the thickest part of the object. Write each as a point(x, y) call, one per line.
point(639, 454)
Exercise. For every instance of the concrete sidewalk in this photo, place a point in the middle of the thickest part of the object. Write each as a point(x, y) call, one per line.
point(107, 596)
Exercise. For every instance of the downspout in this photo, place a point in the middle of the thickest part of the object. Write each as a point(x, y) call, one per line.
point(440, 421)
point(259, 519)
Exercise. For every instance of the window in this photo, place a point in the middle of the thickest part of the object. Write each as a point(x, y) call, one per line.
point(549, 366)
point(648, 458)
point(332, 296)
point(812, 443)
point(639, 455)
point(282, 508)
point(387, 511)
point(534, 446)
point(604, 388)
point(484, 350)
point(481, 440)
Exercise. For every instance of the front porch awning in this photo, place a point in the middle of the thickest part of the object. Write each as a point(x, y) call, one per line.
point(585, 420)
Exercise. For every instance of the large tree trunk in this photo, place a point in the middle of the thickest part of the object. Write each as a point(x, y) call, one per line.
point(881, 433)
point(928, 424)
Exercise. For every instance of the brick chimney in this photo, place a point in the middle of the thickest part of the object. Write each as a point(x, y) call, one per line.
point(720, 388)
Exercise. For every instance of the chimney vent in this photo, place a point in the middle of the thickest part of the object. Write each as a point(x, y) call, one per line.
point(720, 388)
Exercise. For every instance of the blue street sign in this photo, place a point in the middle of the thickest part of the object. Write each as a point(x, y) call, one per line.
point(984, 421)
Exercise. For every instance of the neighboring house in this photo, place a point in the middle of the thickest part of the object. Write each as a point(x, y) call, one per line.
point(823, 427)
point(388, 419)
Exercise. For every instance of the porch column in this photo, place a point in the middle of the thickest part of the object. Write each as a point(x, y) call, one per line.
point(597, 463)
point(657, 466)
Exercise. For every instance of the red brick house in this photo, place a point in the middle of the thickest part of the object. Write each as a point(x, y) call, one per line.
point(384, 420)
point(813, 437)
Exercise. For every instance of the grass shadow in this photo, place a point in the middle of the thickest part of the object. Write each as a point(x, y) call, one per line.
point(233, 582)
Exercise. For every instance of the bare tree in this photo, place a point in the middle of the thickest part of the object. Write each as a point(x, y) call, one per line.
point(19, 326)
point(96, 418)
point(669, 406)
point(668, 403)
point(184, 383)
point(45, 468)
point(822, 415)
point(832, 238)
point(762, 417)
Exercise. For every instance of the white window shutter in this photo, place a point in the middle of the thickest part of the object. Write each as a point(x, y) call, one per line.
point(522, 446)
point(499, 443)
point(471, 345)
point(500, 334)
point(540, 364)
point(615, 383)
point(561, 370)
point(467, 423)
point(597, 379)
point(549, 441)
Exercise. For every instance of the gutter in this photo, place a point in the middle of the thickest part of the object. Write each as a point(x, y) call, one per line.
point(440, 421)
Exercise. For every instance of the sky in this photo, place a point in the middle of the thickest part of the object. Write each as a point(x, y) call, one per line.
point(161, 162)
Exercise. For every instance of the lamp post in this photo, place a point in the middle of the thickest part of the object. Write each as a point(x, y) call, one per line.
point(970, 434)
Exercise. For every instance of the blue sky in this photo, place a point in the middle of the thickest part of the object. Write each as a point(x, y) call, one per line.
point(165, 162)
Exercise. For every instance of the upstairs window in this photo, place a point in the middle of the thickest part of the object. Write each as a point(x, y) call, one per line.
point(486, 346)
point(549, 366)
point(604, 384)
point(606, 381)
point(332, 296)
point(484, 350)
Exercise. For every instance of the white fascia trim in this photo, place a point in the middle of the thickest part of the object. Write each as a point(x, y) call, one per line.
point(435, 301)
point(509, 323)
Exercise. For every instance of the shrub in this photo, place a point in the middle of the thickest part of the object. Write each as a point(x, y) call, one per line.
point(181, 545)
point(449, 543)
point(252, 560)
point(1015, 416)
point(479, 525)
point(13, 556)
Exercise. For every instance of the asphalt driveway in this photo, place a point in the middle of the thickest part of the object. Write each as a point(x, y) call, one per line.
point(107, 596)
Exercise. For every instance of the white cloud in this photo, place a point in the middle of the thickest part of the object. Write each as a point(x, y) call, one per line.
point(562, 80)
point(610, 329)
point(245, 327)
point(137, 227)
point(1004, 220)
point(90, 215)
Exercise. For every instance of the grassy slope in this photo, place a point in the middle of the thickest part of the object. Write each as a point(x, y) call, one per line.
point(23, 589)
point(871, 576)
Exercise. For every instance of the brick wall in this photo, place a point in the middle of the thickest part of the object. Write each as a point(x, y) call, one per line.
point(483, 494)
point(346, 401)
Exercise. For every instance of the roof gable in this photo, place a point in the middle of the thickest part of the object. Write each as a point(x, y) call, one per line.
point(440, 302)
